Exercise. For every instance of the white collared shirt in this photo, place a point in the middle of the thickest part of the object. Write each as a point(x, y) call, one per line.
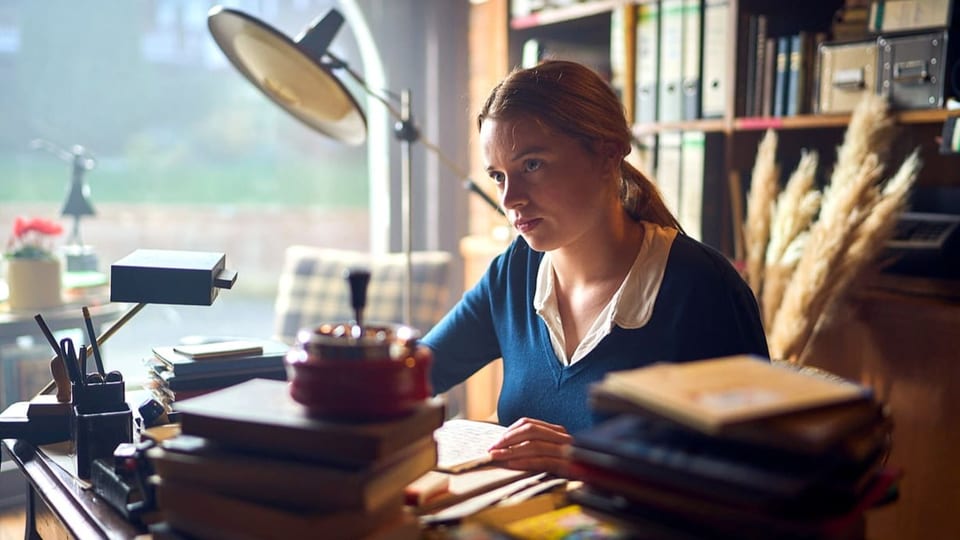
point(630, 307)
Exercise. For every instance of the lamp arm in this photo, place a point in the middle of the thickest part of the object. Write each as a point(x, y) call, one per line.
point(337, 63)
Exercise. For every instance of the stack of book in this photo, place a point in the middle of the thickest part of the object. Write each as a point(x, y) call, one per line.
point(250, 463)
point(735, 447)
point(183, 371)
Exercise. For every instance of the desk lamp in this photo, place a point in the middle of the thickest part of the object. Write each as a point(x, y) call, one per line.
point(145, 276)
point(80, 257)
point(298, 76)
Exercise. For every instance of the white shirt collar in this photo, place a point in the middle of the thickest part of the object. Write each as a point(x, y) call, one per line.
point(630, 307)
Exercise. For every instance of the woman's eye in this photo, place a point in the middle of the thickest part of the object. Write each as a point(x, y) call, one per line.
point(531, 165)
point(496, 177)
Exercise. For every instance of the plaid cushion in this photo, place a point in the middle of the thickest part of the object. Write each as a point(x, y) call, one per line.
point(313, 288)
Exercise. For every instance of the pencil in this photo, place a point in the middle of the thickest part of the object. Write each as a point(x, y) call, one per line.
point(48, 334)
point(93, 340)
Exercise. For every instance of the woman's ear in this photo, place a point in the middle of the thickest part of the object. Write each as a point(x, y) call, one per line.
point(612, 153)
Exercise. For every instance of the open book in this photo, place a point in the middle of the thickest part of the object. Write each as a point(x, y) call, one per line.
point(462, 444)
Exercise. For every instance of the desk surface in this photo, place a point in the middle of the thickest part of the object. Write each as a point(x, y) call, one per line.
point(57, 502)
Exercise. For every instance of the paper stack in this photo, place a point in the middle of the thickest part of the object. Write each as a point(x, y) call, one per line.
point(735, 447)
point(250, 463)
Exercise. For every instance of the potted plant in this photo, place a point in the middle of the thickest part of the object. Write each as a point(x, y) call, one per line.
point(32, 267)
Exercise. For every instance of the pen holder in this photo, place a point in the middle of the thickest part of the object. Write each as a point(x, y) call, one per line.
point(98, 397)
point(97, 434)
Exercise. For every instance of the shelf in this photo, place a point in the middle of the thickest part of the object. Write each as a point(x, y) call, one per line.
point(814, 121)
point(568, 13)
point(705, 125)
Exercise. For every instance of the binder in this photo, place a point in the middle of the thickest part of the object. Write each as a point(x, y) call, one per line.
point(647, 68)
point(618, 53)
point(691, 186)
point(644, 156)
point(692, 57)
point(670, 100)
point(716, 47)
point(669, 171)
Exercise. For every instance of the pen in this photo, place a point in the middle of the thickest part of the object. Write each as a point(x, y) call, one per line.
point(92, 336)
point(48, 334)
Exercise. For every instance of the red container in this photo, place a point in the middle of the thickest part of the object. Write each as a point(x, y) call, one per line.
point(345, 372)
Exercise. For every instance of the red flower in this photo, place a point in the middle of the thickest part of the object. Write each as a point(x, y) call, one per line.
point(22, 226)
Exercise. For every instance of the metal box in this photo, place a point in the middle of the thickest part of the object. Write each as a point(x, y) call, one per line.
point(847, 72)
point(912, 70)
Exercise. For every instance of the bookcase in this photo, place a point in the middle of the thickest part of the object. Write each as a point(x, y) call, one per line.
point(897, 334)
point(727, 99)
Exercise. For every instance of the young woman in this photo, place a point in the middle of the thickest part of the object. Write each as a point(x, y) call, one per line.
point(600, 278)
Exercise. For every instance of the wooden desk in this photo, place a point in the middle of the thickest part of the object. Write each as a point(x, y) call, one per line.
point(58, 505)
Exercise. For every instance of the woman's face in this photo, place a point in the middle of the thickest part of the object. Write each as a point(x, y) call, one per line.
point(554, 191)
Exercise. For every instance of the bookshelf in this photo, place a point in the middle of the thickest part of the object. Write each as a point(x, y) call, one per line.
point(605, 34)
point(896, 334)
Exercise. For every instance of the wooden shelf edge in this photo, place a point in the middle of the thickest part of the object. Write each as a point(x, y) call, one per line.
point(568, 13)
point(815, 121)
point(705, 125)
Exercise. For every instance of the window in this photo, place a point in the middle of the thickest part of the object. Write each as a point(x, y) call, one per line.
point(189, 155)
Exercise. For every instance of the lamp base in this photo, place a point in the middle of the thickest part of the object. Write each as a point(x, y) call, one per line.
point(80, 259)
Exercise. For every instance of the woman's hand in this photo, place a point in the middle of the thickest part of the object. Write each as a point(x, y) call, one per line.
point(533, 445)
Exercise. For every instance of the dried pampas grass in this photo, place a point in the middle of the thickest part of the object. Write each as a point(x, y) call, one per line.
point(793, 212)
point(870, 131)
point(815, 245)
point(764, 184)
point(809, 292)
point(878, 227)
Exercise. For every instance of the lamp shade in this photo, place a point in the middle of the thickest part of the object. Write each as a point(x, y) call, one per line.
point(291, 73)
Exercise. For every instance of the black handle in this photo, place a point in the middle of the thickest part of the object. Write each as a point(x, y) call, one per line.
point(358, 280)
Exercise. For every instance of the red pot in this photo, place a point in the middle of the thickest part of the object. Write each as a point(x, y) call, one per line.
point(345, 372)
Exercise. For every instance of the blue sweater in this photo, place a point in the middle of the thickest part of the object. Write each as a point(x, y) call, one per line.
point(703, 310)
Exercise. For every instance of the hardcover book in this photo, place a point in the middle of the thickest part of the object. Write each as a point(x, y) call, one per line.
point(830, 430)
point(710, 395)
point(257, 354)
point(659, 454)
point(294, 484)
point(259, 415)
point(207, 515)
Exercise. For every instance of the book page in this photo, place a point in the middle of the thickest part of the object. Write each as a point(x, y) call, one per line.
point(462, 444)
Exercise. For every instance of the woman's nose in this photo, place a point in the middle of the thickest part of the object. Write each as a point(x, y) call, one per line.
point(513, 195)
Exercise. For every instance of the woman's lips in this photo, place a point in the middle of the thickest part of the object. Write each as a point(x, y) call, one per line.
point(526, 225)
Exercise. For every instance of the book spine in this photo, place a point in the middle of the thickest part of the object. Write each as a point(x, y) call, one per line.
point(780, 85)
point(794, 76)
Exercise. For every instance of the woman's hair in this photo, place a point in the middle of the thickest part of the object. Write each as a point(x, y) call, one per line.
point(574, 100)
